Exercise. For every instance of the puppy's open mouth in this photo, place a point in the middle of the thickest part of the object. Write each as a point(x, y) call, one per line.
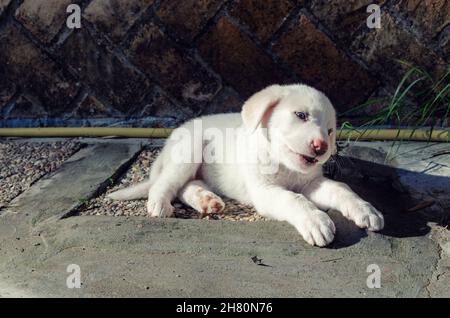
point(308, 160)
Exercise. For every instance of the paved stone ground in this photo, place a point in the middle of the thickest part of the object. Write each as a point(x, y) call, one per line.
point(40, 235)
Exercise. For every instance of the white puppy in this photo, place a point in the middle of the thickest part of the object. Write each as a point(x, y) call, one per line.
point(291, 132)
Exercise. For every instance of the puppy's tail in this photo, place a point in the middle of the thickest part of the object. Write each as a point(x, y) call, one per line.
point(135, 192)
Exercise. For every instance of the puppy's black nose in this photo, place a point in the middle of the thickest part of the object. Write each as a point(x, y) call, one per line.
point(319, 146)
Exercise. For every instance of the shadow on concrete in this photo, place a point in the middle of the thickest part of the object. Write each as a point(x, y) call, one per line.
point(375, 182)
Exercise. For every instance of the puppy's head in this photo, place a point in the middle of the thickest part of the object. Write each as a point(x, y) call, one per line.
point(300, 123)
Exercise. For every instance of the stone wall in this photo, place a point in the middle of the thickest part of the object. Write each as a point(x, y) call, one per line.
point(159, 62)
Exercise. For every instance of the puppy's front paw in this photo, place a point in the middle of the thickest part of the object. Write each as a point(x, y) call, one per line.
point(159, 208)
point(316, 228)
point(365, 215)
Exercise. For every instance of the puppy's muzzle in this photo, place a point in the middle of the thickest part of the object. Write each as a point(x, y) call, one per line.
point(319, 147)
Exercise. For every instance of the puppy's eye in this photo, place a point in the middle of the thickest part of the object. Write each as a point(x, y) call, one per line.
point(330, 131)
point(301, 115)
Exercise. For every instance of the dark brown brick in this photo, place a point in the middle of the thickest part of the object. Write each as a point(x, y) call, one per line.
point(227, 101)
point(157, 104)
point(428, 16)
point(445, 43)
point(35, 72)
point(3, 5)
point(44, 18)
point(446, 49)
point(115, 17)
point(262, 17)
point(186, 18)
point(342, 17)
point(25, 108)
point(91, 107)
point(7, 88)
point(106, 74)
point(375, 103)
point(314, 57)
point(383, 48)
point(177, 72)
point(240, 62)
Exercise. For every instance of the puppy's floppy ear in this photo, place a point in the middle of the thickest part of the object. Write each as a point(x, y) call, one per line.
point(257, 108)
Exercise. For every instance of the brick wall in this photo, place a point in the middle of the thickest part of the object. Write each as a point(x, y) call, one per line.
point(159, 62)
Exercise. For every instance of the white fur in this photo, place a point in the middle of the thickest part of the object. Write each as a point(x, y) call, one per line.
point(296, 193)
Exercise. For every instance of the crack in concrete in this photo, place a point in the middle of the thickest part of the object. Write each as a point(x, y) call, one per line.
point(104, 185)
point(434, 271)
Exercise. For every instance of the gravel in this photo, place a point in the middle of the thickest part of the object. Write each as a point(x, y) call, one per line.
point(22, 164)
point(139, 171)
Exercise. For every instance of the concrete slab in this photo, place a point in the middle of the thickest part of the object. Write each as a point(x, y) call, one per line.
point(440, 280)
point(190, 258)
point(422, 169)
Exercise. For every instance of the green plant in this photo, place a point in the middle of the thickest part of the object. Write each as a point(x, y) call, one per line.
point(83, 201)
point(419, 101)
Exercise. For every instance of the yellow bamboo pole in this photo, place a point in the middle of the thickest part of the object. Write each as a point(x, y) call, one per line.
point(441, 135)
point(87, 132)
point(438, 135)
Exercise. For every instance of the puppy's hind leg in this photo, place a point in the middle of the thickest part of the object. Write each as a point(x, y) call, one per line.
point(197, 195)
point(179, 166)
point(165, 188)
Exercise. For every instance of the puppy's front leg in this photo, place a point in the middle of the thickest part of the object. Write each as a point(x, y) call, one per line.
point(275, 202)
point(329, 194)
